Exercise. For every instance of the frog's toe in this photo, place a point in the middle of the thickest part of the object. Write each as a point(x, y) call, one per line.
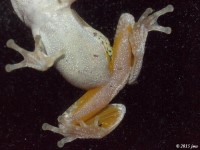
point(167, 9)
point(46, 126)
point(49, 127)
point(166, 30)
point(11, 67)
point(147, 12)
point(65, 140)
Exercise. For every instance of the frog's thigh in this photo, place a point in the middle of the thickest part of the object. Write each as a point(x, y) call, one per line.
point(125, 26)
point(136, 37)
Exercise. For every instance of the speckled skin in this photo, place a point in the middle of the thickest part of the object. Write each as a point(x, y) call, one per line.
point(81, 54)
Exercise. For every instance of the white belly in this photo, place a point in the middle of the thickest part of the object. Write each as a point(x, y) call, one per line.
point(85, 64)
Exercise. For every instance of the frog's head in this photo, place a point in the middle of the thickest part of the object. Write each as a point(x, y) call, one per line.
point(29, 11)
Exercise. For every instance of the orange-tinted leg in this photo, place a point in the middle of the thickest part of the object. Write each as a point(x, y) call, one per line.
point(91, 116)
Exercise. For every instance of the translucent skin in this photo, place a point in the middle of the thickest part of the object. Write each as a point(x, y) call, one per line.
point(82, 55)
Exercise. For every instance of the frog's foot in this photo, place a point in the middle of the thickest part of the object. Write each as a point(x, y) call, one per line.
point(146, 23)
point(149, 21)
point(36, 59)
point(97, 127)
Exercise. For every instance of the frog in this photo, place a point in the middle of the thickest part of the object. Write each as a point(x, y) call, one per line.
point(86, 59)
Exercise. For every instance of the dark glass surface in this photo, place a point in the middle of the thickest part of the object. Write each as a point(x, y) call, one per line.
point(163, 107)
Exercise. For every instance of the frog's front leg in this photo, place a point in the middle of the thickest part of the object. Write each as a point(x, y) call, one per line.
point(36, 59)
point(146, 23)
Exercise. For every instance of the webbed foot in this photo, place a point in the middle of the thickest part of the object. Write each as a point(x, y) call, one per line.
point(150, 20)
point(146, 23)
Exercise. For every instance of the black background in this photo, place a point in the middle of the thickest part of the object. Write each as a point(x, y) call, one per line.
point(163, 108)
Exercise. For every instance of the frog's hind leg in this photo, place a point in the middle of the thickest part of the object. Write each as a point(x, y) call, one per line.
point(146, 23)
point(91, 116)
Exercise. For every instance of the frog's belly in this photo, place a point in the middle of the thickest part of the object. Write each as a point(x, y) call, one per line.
point(84, 73)
point(85, 63)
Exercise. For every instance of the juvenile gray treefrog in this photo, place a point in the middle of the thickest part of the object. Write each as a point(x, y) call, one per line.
point(85, 58)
